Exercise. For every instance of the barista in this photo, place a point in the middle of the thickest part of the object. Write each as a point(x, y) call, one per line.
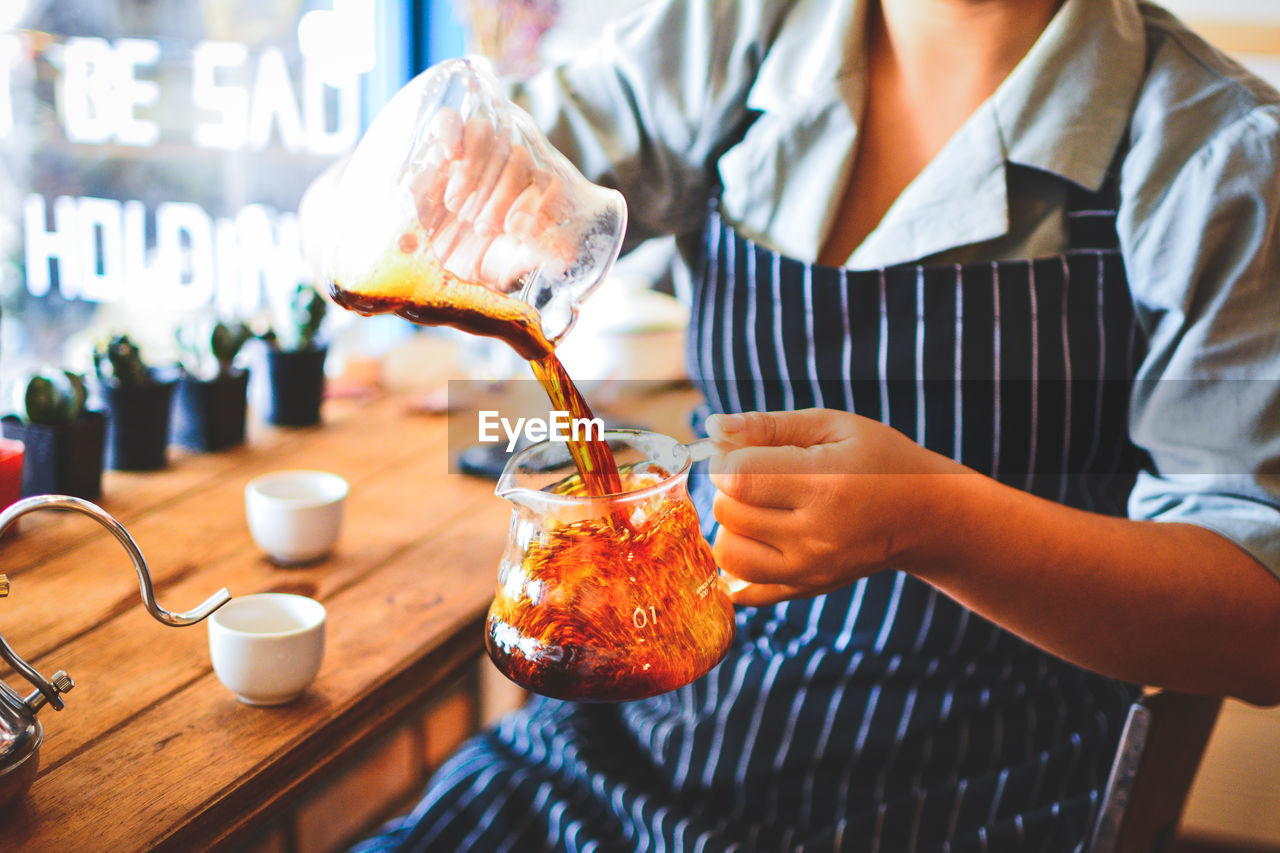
point(984, 311)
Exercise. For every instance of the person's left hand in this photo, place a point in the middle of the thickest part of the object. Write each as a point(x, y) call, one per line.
point(810, 501)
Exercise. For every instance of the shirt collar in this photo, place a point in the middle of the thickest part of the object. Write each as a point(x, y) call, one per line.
point(1065, 108)
point(808, 66)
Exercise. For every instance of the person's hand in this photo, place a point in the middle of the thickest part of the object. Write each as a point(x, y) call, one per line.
point(810, 501)
point(481, 193)
point(490, 212)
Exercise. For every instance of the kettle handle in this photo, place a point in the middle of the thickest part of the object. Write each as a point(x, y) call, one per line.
point(66, 502)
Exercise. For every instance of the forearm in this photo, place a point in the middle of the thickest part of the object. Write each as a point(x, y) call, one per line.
point(1172, 605)
point(1160, 603)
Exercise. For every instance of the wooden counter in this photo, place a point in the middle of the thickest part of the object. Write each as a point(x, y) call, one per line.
point(151, 751)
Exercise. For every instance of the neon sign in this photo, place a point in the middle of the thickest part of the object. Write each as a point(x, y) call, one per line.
point(197, 238)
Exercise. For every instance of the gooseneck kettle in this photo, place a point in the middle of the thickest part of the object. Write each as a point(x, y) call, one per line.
point(20, 732)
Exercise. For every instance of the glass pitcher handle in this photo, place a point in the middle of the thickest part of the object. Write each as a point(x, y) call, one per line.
point(703, 448)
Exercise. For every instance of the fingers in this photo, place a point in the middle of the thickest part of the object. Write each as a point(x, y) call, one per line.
point(479, 139)
point(446, 240)
point(743, 556)
point(434, 168)
point(765, 523)
point(542, 215)
point(428, 188)
point(498, 157)
point(758, 573)
point(516, 176)
point(541, 207)
point(803, 428)
point(555, 208)
point(778, 459)
point(489, 211)
point(749, 594)
point(777, 477)
point(445, 131)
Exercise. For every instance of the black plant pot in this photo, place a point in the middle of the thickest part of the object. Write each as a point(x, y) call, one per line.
point(295, 386)
point(61, 460)
point(138, 425)
point(209, 414)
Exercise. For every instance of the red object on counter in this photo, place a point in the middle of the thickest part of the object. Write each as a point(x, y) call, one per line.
point(11, 454)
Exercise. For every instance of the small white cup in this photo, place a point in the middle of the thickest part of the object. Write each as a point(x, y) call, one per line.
point(266, 648)
point(295, 516)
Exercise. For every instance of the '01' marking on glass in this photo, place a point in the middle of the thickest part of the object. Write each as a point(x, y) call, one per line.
point(641, 618)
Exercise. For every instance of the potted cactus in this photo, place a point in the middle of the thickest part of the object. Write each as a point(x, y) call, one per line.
point(211, 405)
point(61, 437)
point(295, 361)
point(137, 400)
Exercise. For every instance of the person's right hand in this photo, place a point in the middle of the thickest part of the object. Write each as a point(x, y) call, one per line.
point(454, 174)
point(490, 213)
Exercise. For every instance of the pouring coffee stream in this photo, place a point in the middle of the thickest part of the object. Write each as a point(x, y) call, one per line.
point(460, 213)
point(607, 590)
point(421, 291)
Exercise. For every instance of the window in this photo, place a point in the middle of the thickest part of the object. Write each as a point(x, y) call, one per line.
point(153, 153)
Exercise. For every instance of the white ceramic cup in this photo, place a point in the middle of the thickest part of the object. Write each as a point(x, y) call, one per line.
point(295, 516)
point(266, 648)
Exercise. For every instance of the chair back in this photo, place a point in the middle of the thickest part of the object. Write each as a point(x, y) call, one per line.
point(1160, 749)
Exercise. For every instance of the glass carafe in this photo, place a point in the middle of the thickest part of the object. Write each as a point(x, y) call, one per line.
point(456, 210)
point(607, 598)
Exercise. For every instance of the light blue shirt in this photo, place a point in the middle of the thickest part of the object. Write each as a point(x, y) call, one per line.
point(650, 108)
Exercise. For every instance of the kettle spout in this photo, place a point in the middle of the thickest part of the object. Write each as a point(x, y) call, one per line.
point(66, 502)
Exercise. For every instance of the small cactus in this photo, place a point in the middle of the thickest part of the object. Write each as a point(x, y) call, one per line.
point(50, 397)
point(307, 310)
point(225, 342)
point(120, 361)
point(209, 348)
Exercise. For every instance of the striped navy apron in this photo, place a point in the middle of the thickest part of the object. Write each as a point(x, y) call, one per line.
point(884, 716)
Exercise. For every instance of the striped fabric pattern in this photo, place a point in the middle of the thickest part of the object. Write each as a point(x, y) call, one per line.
point(1037, 395)
point(884, 716)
